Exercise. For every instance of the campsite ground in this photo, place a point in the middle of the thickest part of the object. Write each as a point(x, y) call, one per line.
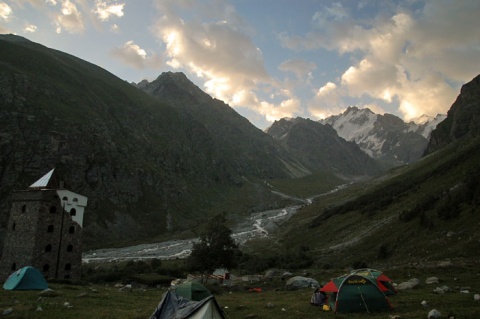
point(107, 301)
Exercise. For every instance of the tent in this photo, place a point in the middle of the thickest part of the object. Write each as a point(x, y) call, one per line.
point(173, 306)
point(26, 278)
point(354, 292)
point(379, 276)
point(192, 291)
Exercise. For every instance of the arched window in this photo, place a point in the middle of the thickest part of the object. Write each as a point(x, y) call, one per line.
point(71, 230)
point(65, 198)
point(75, 199)
point(14, 266)
point(24, 208)
point(46, 267)
point(53, 209)
point(69, 248)
point(48, 248)
point(73, 212)
point(50, 229)
point(14, 225)
point(68, 267)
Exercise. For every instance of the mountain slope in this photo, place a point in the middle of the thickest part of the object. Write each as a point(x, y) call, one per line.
point(414, 215)
point(236, 141)
point(146, 167)
point(321, 149)
point(383, 137)
point(463, 118)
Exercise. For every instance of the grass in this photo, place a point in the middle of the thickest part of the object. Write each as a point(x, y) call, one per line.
point(107, 301)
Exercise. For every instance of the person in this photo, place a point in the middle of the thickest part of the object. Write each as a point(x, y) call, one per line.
point(318, 298)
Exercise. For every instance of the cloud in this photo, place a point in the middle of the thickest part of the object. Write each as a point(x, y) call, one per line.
point(413, 60)
point(5, 11)
point(215, 45)
point(30, 28)
point(103, 10)
point(133, 55)
point(69, 18)
point(299, 67)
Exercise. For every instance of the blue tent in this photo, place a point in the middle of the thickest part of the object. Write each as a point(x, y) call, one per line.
point(26, 278)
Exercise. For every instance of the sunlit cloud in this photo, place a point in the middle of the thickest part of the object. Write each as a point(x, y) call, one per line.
point(104, 11)
point(133, 55)
point(286, 108)
point(219, 52)
point(30, 28)
point(5, 11)
point(415, 61)
point(69, 18)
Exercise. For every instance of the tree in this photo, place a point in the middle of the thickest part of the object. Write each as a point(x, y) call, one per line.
point(215, 249)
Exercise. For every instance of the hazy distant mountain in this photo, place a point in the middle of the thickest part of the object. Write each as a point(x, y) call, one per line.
point(321, 149)
point(384, 137)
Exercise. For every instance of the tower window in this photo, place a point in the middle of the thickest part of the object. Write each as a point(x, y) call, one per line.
point(46, 267)
point(65, 198)
point(48, 248)
point(14, 225)
point(14, 266)
point(73, 212)
point(53, 209)
point(71, 230)
point(75, 199)
point(68, 267)
point(24, 208)
point(69, 248)
point(50, 229)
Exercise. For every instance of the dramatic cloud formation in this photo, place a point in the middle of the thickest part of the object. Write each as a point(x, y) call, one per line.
point(410, 58)
point(273, 59)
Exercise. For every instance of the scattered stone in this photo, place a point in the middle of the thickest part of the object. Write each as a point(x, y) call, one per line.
point(476, 297)
point(270, 305)
point(82, 295)
point(39, 309)
point(66, 304)
point(424, 304)
point(465, 291)
point(395, 317)
point(411, 284)
point(119, 285)
point(438, 290)
point(7, 311)
point(48, 293)
point(283, 309)
point(298, 282)
point(445, 263)
point(446, 289)
point(126, 288)
point(431, 280)
point(434, 314)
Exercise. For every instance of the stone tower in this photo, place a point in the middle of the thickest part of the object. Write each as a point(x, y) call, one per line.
point(45, 230)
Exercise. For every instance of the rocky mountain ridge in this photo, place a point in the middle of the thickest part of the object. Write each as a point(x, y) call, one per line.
point(384, 137)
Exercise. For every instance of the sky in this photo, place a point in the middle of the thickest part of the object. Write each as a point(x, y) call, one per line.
point(270, 59)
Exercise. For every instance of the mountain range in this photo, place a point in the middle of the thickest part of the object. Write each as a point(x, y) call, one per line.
point(157, 158)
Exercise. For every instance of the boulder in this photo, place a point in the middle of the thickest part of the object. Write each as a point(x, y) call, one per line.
point(431, 280)
point(411, 284)
point(299, 282)
point(434, 314)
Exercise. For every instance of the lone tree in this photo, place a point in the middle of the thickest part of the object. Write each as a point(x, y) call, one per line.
point(215, 249)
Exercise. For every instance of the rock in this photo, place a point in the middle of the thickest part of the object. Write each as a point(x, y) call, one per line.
point(298, 282)
point(39, 309)
point(411, 284)
point(48, 293)
point(446, 289)
point(7, 311)
point(434, 314)
point(424, 304)
point(270, 305)
point(431, 280)
point(438, 290)
point(476, 297)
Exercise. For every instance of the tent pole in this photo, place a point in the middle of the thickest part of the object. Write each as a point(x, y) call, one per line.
point(363, 299)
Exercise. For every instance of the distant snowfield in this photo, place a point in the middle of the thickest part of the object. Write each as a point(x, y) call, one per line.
point(258, 225)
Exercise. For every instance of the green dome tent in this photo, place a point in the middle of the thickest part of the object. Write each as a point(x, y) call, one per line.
point(354, 293)
point(379, 276)
point(26, 278)
point(192, 291)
